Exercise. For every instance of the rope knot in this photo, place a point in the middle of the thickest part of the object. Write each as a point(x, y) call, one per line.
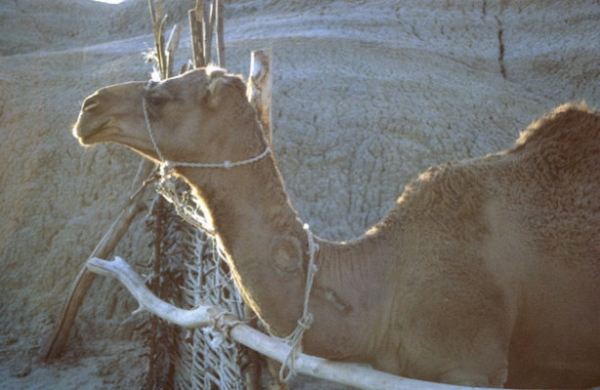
point(294, 340)
point(305, 321)
point(167, 185)
point(223, 321)
point(167, 169)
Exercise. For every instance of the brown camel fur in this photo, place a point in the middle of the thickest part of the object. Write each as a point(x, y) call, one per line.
point(485, 272)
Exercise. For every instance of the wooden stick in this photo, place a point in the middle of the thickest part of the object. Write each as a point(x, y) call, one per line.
point(351, 374)
point(172, 46)
point(209, 26)
point(54, 344)
point(160, 48)
point(196, 28)
point(220, 34)
point(157, 26)
point(199, 10)
point(259, 89)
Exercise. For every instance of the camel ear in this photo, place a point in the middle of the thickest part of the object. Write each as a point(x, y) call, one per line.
point(223, 87)
point(214, 92)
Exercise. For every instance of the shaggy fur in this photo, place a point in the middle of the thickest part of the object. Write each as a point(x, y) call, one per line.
point(484, 273)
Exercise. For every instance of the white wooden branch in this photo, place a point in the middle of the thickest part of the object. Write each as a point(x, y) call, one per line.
point(359, 376)
point(119, 269)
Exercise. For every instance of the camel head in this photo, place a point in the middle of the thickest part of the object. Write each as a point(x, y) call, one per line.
point(202, 116)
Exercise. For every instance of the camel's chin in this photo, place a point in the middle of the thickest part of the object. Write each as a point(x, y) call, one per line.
point(88, 135)
point(88, 140)
point(112, 134)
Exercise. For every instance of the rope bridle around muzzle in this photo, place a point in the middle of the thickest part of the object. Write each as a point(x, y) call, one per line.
point(167, 167)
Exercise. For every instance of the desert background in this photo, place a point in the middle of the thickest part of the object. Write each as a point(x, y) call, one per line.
point(366, 94)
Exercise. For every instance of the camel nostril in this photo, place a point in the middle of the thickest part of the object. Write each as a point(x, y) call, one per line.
point(90, 103)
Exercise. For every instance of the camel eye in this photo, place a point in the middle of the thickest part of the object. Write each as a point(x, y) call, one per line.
point(156, 102)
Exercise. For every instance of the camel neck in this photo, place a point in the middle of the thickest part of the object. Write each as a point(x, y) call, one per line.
point(261, 234)
point(268, 252)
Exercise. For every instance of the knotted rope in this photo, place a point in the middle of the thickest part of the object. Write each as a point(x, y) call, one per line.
point(294, 339)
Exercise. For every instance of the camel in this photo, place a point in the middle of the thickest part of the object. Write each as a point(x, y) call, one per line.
point(485, 272)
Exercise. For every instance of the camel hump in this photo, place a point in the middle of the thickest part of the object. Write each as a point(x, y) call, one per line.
point(562, 146)
point(569, 129)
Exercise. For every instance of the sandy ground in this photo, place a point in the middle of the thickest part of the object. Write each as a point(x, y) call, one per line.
point(366, 95)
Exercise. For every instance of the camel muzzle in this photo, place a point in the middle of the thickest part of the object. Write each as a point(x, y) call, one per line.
point(89, 124)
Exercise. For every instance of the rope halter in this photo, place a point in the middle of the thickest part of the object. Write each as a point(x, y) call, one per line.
point(166, 187)
point(167, 166)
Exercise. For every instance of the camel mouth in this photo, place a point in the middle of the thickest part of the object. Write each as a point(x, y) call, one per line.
point(90, 133)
